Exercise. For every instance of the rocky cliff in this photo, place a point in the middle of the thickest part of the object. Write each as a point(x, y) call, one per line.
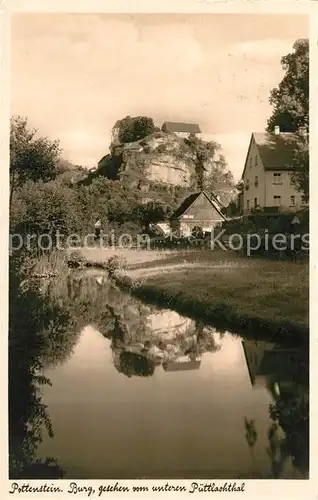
point(158, 158)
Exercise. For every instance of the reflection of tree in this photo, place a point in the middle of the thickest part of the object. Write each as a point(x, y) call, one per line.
point(292, 413)
point(206, 338)
point(276, 451)
point(38, 333)
point(288, 434)
point(251, 437)
point(130, 363)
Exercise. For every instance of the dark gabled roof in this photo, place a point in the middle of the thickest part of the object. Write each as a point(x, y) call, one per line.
point(186, 204)
point(276, 151)
point(191, 128)
point(190, 200)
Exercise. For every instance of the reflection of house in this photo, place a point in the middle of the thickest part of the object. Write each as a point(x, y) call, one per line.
point(197, 211)
point(181, 364)
point(268, 363)
point(266, 174)
point(181, 129)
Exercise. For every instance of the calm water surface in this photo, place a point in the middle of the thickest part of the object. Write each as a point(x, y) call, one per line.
point(147, 393)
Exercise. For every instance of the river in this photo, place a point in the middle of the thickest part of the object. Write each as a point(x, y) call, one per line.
point(148, 393)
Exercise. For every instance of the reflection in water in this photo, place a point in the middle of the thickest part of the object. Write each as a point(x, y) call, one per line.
point(37, 327)
point(284, 372)
point(131, 363)
point(181, 372)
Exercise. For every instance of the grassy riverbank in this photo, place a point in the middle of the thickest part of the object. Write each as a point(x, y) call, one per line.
point(266, 297)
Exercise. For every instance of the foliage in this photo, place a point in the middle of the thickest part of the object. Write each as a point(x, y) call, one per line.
point(202, 152)
point(291, 98)
point(292, 413)
point(251, 433)
point(44, 208)
point(31, 157)
point(152, 212)
point(35, 329)
point(300, 175)
point(212, 175)
point(116, 263)
point(133, 129)
point(290, 101)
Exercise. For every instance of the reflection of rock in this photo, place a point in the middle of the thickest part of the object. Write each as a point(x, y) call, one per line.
point(168, 324)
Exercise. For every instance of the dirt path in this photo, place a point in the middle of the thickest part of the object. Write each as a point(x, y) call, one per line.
point(153, 271)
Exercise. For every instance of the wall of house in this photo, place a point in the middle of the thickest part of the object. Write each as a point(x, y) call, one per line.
point(184, 227)
point(280, 185)
point(254, 178)
point(183, 135)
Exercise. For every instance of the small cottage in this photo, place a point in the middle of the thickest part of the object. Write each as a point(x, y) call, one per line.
point(181, 129)
point(197, 213)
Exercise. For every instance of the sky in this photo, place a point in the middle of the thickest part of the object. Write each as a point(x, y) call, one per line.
point(75, 75)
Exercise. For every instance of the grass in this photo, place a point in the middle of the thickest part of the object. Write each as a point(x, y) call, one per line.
point(265, 297)
point(51, 264)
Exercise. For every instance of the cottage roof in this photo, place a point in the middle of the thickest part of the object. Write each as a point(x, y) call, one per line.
point(190, 200)
point(276, 151)
point(191, 128)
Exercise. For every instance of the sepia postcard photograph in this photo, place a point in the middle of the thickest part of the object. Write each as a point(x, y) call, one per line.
point(158, 248)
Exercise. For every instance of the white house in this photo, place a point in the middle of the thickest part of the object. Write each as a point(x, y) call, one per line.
point(267, 173)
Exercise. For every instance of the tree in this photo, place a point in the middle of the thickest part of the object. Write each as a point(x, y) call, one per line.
point(44, 208)
point(202, 152)
point(291, 98)
point(133, 129)
point(300, 176)
point(212, 175)
point(152, 213)
point(31, 157)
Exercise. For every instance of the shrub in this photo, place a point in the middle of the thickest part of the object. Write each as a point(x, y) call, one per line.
point(115, 264)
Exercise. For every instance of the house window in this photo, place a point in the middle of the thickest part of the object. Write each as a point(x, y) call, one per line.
point(251, 161)
point(248, 204)
point(292, 201)
point(277, 201)
point(277, 178)
point(255, 202)
point(256, 161)
point(256, 181)
point(247, 184)
point(303, 200)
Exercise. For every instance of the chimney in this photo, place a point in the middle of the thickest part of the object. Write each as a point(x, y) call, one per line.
point(276, 130)
point(302, 131)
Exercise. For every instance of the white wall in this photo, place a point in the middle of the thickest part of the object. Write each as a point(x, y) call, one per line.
point(254, 168)
point(282, 186)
